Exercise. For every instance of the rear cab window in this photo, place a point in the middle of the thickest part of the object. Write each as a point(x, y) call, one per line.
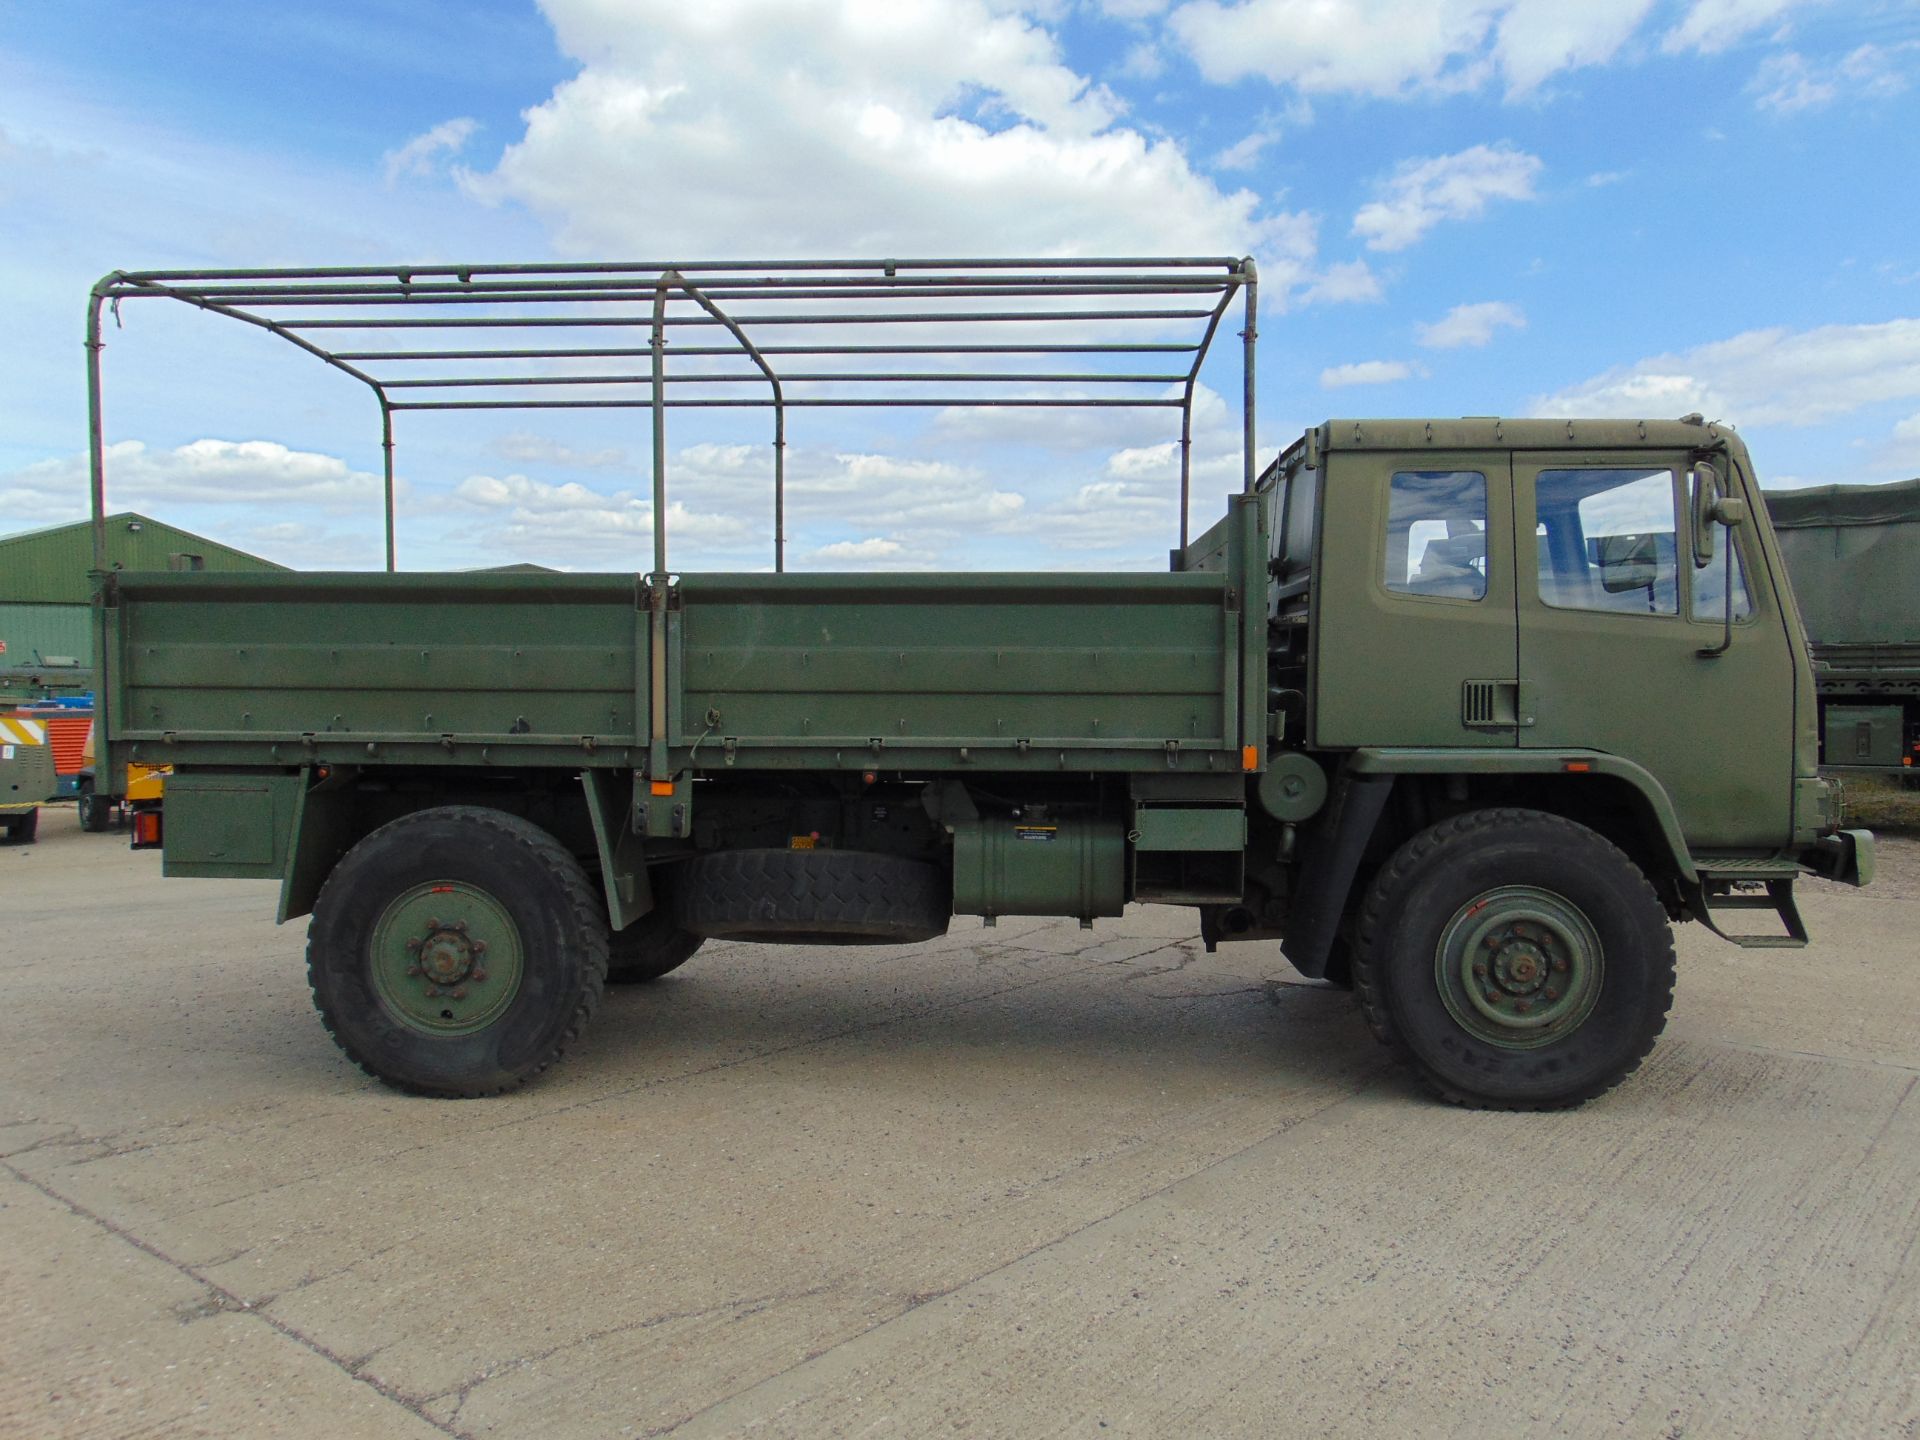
point(1436, 542)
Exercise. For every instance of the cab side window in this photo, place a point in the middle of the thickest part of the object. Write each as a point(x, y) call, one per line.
point(1606, 540)
point(1437, 534)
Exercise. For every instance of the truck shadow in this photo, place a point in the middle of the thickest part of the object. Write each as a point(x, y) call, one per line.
point(724, 1011)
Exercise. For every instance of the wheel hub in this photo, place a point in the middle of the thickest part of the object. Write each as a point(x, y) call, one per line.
point(446, 958)
point(448, 954)
point(1519, 967)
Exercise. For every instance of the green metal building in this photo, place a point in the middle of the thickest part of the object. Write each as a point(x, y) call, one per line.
point(46, 642)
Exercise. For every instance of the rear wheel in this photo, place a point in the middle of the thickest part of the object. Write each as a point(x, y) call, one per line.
point(813, 897)
point(652, 945)
point(96, 812)
point(1515, 960)
point(24, 828)
point(457, 951)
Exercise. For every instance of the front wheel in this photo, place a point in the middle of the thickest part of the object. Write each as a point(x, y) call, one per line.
point(457, 951)
point(1515, 960)
point(96, 811)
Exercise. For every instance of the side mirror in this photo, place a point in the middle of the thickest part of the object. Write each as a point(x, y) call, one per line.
point(1707, 500)
point(1628, 562)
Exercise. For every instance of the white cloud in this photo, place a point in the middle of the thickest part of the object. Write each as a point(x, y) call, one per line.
point(1368, 372)
point(1472, 326)
point(1386, 48)
point(855, 553)
point(202, 472)
point(1902, 451)
point(1788, 83)
point(1711, 26)
point(1422, 193)
point(1245, 152)
point(422, 154)
point(570, 523)
point(1349, 282)
point(1774, 376)
point(1540, 38)
point(1143, 62)
point(524, 448)
point(938, 128)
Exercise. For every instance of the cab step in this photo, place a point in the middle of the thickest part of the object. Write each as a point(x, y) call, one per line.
point(1729, 883)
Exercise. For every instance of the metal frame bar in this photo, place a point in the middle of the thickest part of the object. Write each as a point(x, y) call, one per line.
point(885, 289)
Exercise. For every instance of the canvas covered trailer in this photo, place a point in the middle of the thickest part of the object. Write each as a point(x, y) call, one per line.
point(1854, 553)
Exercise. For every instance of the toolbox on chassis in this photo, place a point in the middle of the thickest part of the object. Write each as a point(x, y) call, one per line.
point(1460, 713)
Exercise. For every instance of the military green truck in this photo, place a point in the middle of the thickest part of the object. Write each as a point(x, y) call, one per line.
point(1854, 554)
point(1463, 714)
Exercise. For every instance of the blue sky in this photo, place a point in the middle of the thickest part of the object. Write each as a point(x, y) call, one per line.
point(1459, 206)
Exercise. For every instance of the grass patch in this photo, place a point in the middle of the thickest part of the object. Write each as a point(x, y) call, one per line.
point(1880, 804)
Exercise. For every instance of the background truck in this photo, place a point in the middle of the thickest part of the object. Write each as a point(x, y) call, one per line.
point(1462, 713)
point(1854, 554)
point(26, 776)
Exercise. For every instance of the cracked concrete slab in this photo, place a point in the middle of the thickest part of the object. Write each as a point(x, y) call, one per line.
point(1026, 1180)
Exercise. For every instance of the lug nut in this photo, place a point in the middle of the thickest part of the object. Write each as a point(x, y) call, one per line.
point(432, 923)
point(413, 944)
point(461, 926)
point(1480, 972)
point(479, 947)
point(1552, 994)
point(413, 969)
point(461, 993)
point(1523, 1006)
point(433, 992)
point(1560, 964)
point(479, 975)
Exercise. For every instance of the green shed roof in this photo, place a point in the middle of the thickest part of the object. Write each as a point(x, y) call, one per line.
point(49, 567)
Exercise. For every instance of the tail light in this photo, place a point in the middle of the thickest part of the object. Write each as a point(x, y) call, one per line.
point(146, 830)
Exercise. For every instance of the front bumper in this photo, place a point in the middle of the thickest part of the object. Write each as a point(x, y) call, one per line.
point(1845, 856)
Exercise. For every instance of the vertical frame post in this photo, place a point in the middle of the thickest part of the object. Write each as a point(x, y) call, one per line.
point(1248, 337)
point(96, 449)
point(658, 764)
point(779, 483)
point(386, 449)
point(1186, 465)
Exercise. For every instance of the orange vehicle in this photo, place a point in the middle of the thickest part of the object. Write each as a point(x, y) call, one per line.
point(145, 788)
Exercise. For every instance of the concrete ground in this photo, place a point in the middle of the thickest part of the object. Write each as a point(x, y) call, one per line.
point(1027, 1181)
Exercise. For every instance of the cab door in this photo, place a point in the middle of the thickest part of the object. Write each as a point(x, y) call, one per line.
point(1621, 641)
point(1414, 602)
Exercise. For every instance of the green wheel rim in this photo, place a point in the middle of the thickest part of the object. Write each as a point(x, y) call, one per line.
point(447, 958)
point(1518, 967)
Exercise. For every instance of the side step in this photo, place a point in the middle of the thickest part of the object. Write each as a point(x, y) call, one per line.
point(1733, 883)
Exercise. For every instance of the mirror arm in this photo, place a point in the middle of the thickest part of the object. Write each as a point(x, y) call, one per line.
point(1714, 652)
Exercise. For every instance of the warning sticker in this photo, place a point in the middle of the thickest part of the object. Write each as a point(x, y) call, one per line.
point(1043, 833)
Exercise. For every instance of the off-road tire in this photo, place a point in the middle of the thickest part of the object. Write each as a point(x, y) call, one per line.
point(561, 930)
point(24, 829)
point(1436, 877)
point(96, 814)
point(813, 897)
point(654, 944)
